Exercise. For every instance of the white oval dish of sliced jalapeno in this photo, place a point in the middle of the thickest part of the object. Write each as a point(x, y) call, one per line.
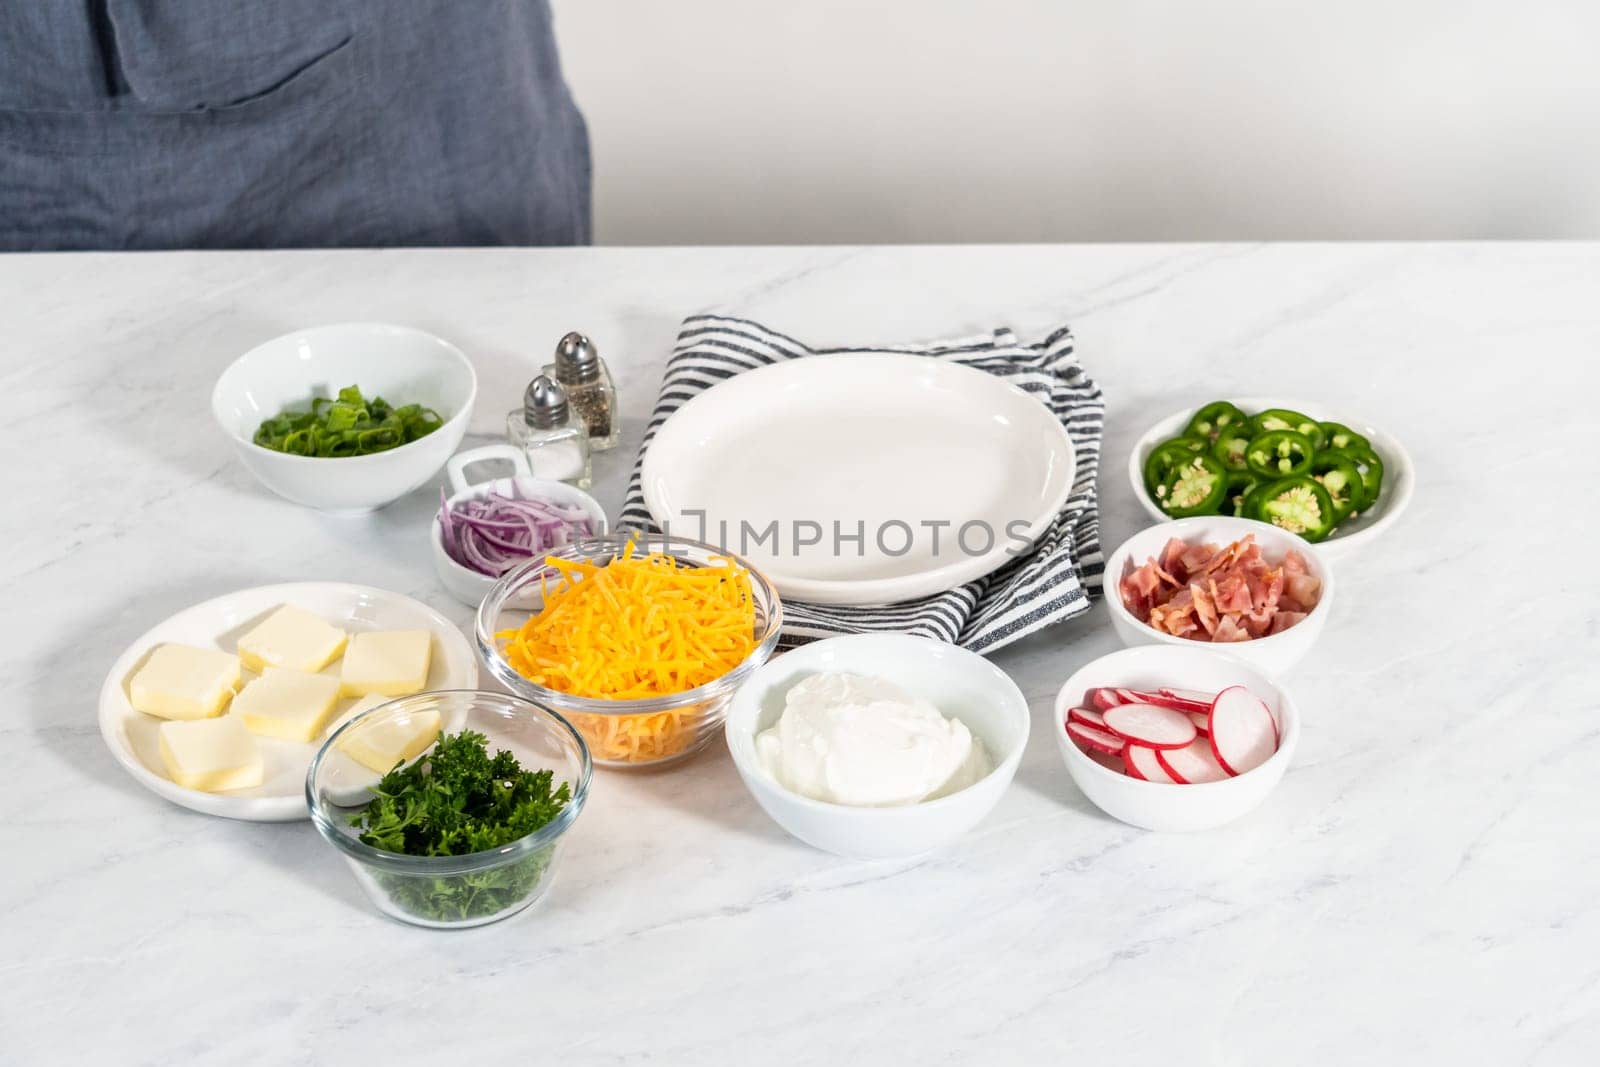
point(1306, 467)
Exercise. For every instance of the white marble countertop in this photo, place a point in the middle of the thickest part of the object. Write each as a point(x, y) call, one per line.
point(1424, 886)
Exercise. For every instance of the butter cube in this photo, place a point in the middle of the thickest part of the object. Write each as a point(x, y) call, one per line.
point(294, 638)
point(365, 704)
point(391, 662)
point(211, 754)
point(380, 745)
point(182, 682)
point(291, 705)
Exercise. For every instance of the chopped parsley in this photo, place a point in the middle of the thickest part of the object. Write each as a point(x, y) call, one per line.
point(455, 801)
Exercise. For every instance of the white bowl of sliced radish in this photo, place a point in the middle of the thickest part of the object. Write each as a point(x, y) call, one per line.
point(1175, 738)
point(1276, 645)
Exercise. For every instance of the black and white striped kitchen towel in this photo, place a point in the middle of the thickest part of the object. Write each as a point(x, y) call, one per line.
point(1050, 583)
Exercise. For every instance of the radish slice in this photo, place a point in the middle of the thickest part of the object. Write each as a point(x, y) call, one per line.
point(1163, 700)
point(1105, 759)
point(1194, 764)
point(1088, 717)
point(1128, 696)
point(1242, 732)
point(1145, 764)
point(1104, 699)
point(1201, 720)
point(1194, 696)
point(1093, 738)
point(1146, 724)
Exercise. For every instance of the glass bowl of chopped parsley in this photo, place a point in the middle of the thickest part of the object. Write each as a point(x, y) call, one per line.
point(465, 827)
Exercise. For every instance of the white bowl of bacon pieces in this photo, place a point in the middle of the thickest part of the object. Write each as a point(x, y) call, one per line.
point(1261, 592)
point(1175, 739)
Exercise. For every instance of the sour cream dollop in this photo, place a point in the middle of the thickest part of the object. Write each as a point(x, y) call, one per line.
point(851, 739)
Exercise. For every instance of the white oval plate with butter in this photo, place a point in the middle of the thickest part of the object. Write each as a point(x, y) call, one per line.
point(133, 736)
point(903, 450)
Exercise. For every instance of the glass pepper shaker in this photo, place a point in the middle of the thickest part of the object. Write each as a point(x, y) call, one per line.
point(590, 389)
point(557, 445)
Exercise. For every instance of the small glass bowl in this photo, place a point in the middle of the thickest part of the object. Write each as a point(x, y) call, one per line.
point(685, 722)
point(453, 891)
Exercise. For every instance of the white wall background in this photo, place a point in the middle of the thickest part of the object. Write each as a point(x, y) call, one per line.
point(745, 121)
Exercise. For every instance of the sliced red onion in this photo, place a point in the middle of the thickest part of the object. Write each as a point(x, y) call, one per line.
point(493, 533)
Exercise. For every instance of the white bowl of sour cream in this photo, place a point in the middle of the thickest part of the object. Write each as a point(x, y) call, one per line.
point(910, 741)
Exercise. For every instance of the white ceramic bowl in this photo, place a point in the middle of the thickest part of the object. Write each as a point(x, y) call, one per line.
point(1276, 653)
point(398, 363)
point(960, 684)
point(464, 583)
point(1157, 805)
point(1398, 474)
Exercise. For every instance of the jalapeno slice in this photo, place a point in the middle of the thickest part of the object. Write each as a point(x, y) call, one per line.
point(1196, 486)
point(1240, 484)
point(1338, 435)
point(1214, 418)
point(1230, 446)
point(1284, 419)
point(1371, 468)
point(1250, 504)
point(1167, 455)
point(1279, 453)
point(1341, 478)
point(1298, 504)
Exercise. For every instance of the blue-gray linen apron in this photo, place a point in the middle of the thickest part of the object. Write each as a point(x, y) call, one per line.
point(129, 124)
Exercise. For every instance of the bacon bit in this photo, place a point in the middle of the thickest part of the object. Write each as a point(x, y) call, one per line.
point(1166, 577)
point(1221, 594)
point(1195, 558)
point(1302, 592)
point(1285, 619)
point(1232, 595)
point(1228, 630)
point(1264, 596)
point(1146, 580)
point(1172, 556)
point(1204, 607)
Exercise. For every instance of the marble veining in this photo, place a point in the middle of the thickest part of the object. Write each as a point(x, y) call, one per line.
point(1422, 888)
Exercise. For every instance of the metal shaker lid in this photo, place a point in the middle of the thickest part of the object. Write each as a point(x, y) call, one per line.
point(577, 359)
point(544, 404)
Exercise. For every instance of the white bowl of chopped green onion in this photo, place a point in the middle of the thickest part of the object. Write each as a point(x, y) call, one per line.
point(347, 417)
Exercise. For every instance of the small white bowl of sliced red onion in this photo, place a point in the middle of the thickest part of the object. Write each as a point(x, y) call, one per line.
point(1175, 739)
point(482, 530)
point(1214, 581)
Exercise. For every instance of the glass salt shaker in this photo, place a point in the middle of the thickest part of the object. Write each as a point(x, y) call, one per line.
point(557, 446)
point(590, 389)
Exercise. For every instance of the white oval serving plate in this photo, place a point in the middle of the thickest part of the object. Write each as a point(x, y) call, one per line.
point(1399, 478)
point(132, 736)
point(909, 447)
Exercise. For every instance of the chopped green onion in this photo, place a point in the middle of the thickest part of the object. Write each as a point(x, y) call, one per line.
point(348, 425)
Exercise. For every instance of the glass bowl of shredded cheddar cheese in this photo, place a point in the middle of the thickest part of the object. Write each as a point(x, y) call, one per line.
point(638, 640)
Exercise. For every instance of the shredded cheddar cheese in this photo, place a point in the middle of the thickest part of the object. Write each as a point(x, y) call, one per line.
point(638, 738)
point(634, 628)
